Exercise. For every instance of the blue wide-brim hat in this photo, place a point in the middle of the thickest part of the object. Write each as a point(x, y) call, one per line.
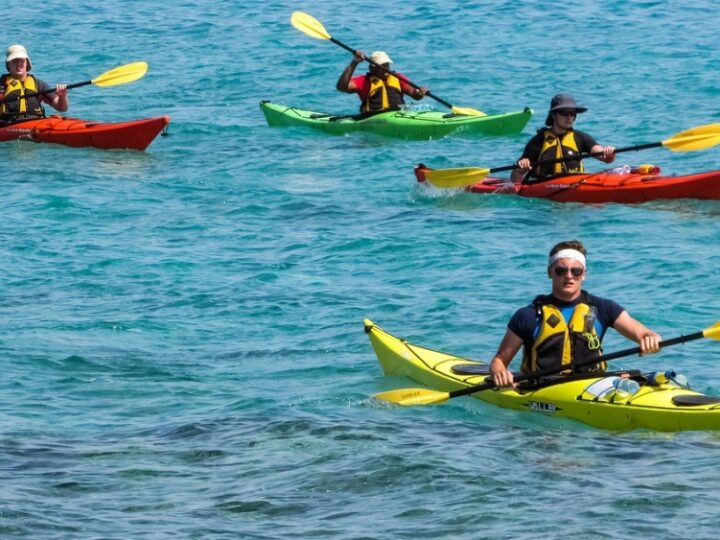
point(562, 102)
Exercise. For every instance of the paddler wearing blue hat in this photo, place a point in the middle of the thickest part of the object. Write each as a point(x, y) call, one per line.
point(558, 139)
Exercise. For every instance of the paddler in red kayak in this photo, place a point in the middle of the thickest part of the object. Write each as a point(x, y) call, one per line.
point(559, 139)
point(567, 325)
point(19, 89)
point(378, 90)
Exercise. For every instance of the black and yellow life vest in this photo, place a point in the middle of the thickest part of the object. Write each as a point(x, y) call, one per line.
point(384, 95)
point(20, 98)
point(555, 147)
point(559, 343)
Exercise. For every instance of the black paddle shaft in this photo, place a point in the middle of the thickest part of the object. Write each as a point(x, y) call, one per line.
point(391, 72)
point(49, 91)
point(636, 148)
point(558, 369)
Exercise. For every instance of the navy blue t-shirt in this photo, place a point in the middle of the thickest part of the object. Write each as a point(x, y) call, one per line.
point(525, 322)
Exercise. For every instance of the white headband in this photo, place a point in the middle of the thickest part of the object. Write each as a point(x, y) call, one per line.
point(573, 254)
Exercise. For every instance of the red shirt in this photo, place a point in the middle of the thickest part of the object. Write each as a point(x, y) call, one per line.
point(362, 83)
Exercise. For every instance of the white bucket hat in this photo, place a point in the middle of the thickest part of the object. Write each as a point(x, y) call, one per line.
point(380, 57)
point(17, 51)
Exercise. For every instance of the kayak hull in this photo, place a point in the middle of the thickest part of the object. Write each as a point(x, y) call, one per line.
point(420, 125)
point(134, 134)
point(651, 408)
point(604, 187)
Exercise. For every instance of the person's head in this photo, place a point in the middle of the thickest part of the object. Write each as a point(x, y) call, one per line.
point(563, 111)
point(17, 60)
point(567, 268)
point(380, 57)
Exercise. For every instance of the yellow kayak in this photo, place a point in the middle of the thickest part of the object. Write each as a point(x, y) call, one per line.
point(656, 403)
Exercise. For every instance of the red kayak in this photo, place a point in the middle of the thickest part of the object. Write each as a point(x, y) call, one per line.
point(619, 187)
point(135, 134)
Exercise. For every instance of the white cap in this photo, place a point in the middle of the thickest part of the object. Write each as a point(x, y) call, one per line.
point(380, 57)
point(17, 51)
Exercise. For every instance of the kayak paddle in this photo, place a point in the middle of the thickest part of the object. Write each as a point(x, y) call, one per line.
point(423, 396)
point(312, 27)
point(697, 138)
point(120, 75)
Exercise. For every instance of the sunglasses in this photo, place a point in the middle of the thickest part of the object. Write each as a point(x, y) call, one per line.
point(563, 270)
point(567, 113)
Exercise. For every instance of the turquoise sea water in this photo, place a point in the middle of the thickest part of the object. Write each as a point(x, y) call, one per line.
point(181, 329)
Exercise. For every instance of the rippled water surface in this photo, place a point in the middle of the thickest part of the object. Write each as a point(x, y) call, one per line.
point(181, 335)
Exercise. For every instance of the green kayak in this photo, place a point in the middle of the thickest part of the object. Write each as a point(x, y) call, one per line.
point(398, 124)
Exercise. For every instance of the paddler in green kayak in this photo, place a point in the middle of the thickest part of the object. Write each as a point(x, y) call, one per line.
point(567, 325)
point(378, 90)
point(559, 139)
point(19, 89)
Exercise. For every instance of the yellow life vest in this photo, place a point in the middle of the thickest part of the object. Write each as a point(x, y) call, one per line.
point(555, 147)
point(385, 94)
point(21, 100)
point(559, 343)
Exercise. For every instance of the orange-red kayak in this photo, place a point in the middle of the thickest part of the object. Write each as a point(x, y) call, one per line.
point(135, 134)
point(604, 187)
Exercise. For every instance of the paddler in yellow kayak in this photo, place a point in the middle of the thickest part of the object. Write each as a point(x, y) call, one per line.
point(19, 89)
point(567, 325)
point(378, 90)
point(559, 139)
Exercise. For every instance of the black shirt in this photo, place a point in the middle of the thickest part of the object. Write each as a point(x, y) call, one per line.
point(534, 146)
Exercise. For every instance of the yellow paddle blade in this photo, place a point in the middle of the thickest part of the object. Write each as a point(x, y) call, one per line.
point(413, 396)
point(122, 74)
point(467, 111)
point(455, 178)
point(713, 332)
point(309, 25)
point(706, 129)
point(697, 138)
